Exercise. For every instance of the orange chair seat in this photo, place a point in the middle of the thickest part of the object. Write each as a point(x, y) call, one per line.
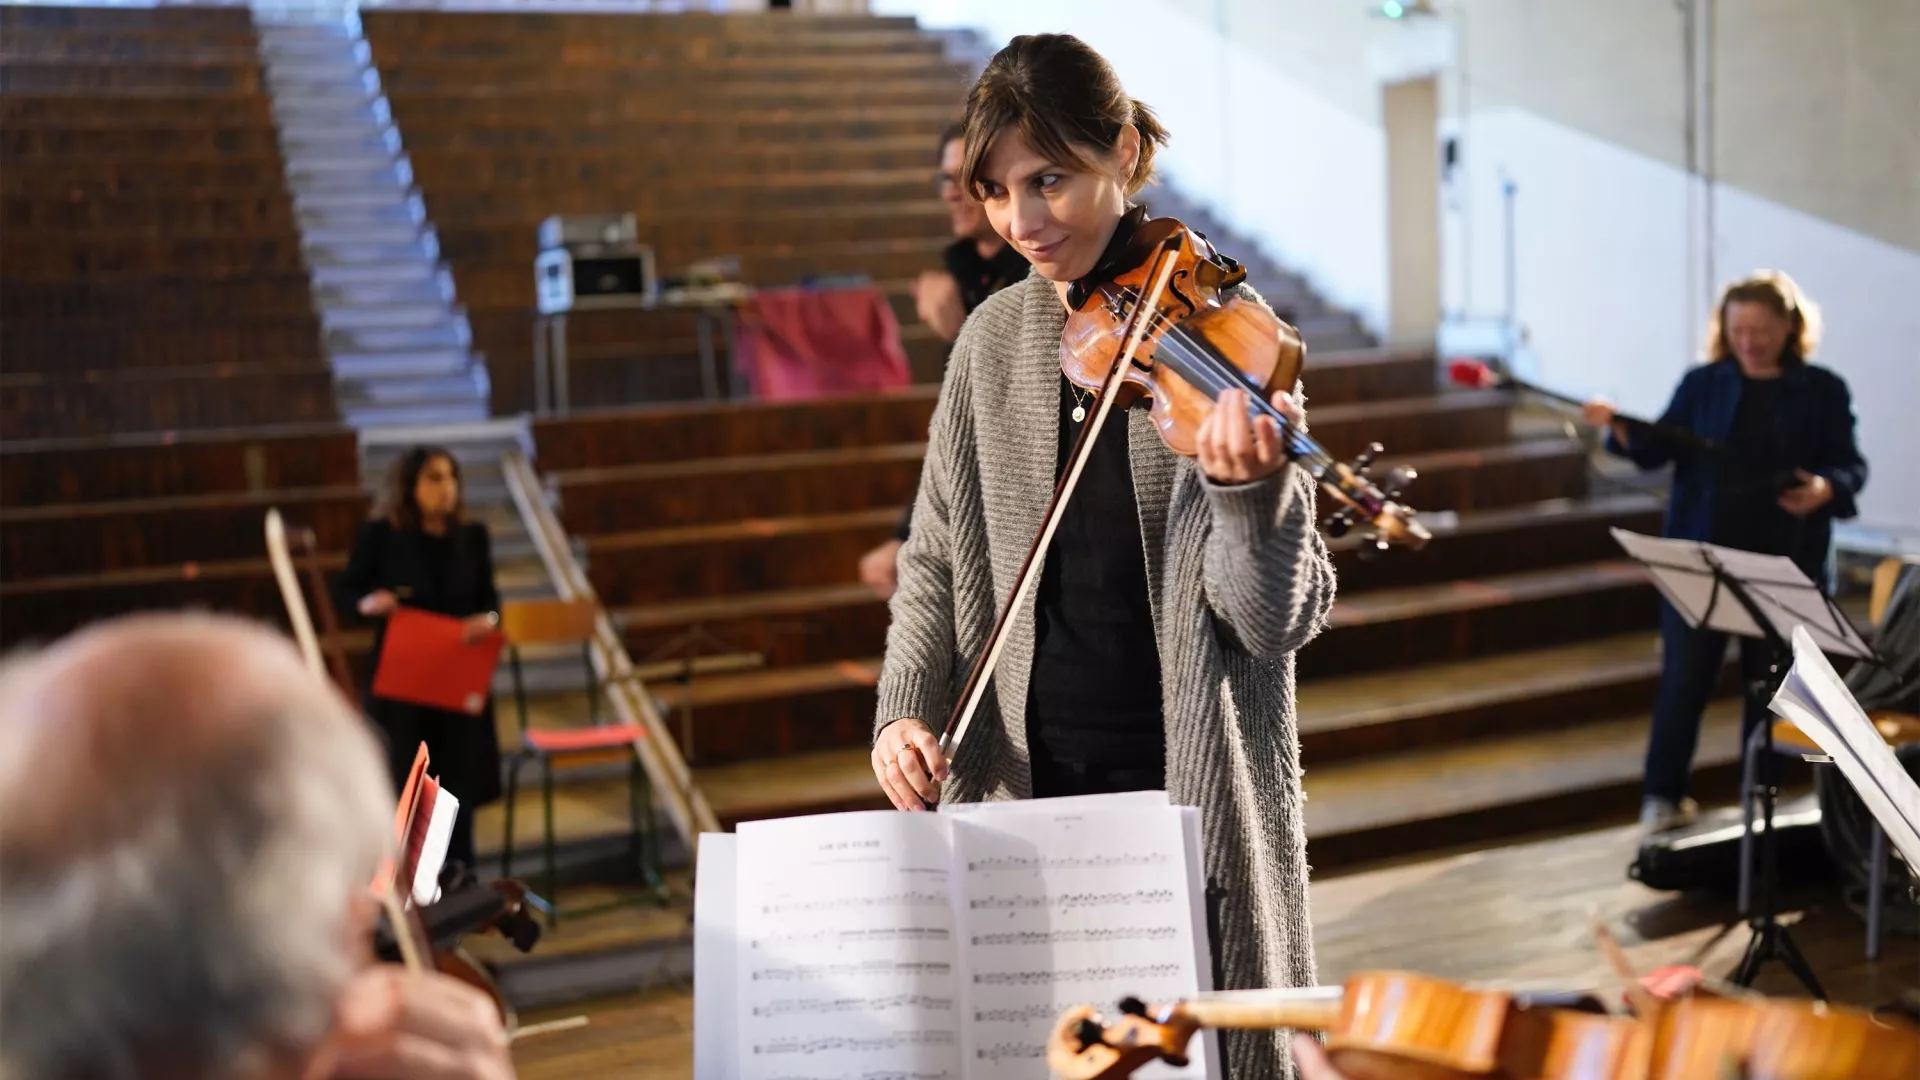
point(578, 740)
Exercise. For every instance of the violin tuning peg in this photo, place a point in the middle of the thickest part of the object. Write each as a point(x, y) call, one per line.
point(1398, 479)
point(1133, 1006)
point(1366, 457)
point(1339, 523)
point(1371, 548)
point(1089, 1033)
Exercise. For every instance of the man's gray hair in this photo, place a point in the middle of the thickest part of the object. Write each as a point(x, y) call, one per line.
point(187, 818)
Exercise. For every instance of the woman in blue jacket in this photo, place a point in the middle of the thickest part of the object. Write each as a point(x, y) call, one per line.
point(1785, 468)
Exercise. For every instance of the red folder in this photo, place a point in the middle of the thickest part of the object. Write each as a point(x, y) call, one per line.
point(425, 660)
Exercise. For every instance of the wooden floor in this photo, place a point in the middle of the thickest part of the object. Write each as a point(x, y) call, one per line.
point(1519, 914)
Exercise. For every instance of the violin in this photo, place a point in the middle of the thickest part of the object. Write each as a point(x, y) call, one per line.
point(1390, 1025)
point(431, 936)
point(1160, 319)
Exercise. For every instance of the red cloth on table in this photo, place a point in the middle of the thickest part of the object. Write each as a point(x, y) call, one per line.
point(804, 343)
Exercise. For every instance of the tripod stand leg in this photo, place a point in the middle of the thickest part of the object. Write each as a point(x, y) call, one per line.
point(1796, 963)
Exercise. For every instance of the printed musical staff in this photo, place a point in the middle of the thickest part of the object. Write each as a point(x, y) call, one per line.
point(1069, 862)
point(1077, 975)
point(855, 1044)
point(907, 898)
point(1011, 1051)
point(1073, 900)
point(862, 935)
point(871, 1005)
point(1101, 935)
point(867, 967)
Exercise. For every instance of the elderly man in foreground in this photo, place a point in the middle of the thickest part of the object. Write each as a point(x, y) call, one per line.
point(189, 821)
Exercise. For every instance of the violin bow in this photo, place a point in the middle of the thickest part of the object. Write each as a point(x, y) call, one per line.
point(983, 668)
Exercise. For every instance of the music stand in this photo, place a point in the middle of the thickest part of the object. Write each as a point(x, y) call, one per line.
point(1757, 596)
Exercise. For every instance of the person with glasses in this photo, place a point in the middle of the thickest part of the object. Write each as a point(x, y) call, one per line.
point(976, 265)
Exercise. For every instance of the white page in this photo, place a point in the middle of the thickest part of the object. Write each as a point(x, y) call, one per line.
point(1116, 800)
point(433, 850)
point(1819, 703)
point(1203, 945)
point(716, 1023)
point(1067, 908)
point(846, 948)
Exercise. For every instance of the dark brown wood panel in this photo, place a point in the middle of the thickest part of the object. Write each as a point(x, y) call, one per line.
point(44, 407)
point(750, 556)
point(212, 255)
point(64, 346)
point(663, 434)
point(1464, 619)
point(45, 609)
point(194, 77)
point(262, 296)
point(1503, 541)
point(731, 489)
point(69, 471)
point(74, 539)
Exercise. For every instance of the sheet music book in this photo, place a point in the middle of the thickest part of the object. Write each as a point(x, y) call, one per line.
point(423, 829)
point(1818, 702)
point(425, 659)
point(940, 946)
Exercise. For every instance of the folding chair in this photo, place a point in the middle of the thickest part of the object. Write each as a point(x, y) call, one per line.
point(560, 623)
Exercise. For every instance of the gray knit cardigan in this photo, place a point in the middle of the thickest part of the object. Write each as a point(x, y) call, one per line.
point(1238, 578)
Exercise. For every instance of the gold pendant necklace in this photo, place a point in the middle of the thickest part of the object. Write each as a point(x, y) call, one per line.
point(1079, 404)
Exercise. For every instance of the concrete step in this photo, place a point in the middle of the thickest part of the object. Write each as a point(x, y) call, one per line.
point(400, 363)
point(472, 442)
point(368, 152)
point(400, 316)
point(347, 234)
point(436, 288)
point(423, 247)
point(349, 174)
point(414, 414)
point(450, 333)
point(295, 113)
point(405, 390)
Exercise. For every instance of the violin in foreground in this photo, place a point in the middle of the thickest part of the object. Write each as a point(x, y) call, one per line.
point(1400, 1026)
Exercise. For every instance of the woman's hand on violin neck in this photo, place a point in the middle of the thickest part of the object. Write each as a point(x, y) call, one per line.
point(1235, 448)
point(908, 762)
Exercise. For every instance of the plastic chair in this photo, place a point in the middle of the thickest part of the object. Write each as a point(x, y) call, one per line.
point(560, 623)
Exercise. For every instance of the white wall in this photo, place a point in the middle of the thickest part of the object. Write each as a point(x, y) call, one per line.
point(1605, 296)
point(1250, 143)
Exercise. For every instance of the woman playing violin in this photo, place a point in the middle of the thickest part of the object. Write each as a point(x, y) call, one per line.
point(1158, 649)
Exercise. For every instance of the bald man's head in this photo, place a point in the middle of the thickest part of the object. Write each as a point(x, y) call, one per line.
point(187, 815)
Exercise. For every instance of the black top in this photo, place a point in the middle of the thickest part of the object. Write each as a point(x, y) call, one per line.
point(447, 575)
point(980, 278)
point(1747, 513)
point(1095, 694)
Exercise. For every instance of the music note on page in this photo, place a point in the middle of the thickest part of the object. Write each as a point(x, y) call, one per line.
point(848, 965)
point(1051, 912)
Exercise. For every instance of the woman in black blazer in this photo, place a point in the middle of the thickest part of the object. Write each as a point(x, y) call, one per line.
point(418, 551)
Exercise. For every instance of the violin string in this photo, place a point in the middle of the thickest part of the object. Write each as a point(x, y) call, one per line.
point(1213, 380)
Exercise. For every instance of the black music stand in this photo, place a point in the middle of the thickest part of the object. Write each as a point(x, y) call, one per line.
point(1758, 596)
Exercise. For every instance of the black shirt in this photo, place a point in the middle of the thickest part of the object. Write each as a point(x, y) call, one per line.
point(1094, 698)
point(1747, 513)
point(980, 278)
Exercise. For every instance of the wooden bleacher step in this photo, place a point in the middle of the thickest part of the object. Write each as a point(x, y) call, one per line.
point(1496, 788)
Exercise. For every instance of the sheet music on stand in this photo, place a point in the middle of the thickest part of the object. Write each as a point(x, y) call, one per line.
point(1818, 702)
point(941, 946)
point(1688, 573)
